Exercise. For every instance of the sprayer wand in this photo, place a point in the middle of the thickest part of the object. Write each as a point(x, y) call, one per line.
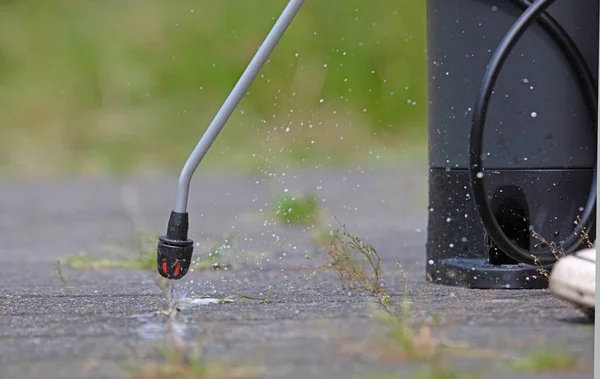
point(174, 253)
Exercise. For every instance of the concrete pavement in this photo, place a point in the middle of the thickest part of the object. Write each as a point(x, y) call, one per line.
point(105, 320)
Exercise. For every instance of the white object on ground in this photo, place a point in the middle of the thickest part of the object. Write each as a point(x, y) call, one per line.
point(573, 278)
point(187, 302)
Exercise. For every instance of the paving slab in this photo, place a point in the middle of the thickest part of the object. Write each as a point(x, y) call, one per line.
point(96, 323)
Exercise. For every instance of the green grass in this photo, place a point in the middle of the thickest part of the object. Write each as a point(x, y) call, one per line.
point(86, 261)
point(406, 341)
point(179, 363)
point(111, 86)
point(143, 257)
point(297, 210)
point(545, 361)
point(433, 372)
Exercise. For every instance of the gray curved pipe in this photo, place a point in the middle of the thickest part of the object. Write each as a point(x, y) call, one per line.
point(232, 101)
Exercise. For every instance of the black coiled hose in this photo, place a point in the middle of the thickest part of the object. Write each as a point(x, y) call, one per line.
point(535, 11)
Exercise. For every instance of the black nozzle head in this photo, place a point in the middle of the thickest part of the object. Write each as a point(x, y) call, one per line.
point(174, 252)
point(174, 257)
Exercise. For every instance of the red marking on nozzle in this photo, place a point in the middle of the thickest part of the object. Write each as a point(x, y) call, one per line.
point(164, 266)
point(177, 267)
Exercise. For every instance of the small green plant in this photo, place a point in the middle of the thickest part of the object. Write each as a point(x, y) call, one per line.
point(356, 262)
point(545, 361)
point(86, 261)
point(178, 363)
point(385, 299)
point(432, 372)
point(259, 300)
point(296, 210)
point(406, 341)
point(145, 247)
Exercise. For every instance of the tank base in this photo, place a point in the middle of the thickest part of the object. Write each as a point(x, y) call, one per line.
point(459, 252)
point(480, 274)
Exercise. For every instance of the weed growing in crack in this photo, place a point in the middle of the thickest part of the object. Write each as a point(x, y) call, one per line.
point(401, 338)
point(385, 299)
point(358, 266)
point(404, 340)
point(356, 263)
point(556, 250)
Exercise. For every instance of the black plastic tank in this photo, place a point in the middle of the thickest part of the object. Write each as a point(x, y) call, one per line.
point(540, 141)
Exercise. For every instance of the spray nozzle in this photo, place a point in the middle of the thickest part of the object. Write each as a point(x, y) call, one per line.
point(174, 252)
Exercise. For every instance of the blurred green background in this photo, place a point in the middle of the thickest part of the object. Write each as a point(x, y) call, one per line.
point(127, 86)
